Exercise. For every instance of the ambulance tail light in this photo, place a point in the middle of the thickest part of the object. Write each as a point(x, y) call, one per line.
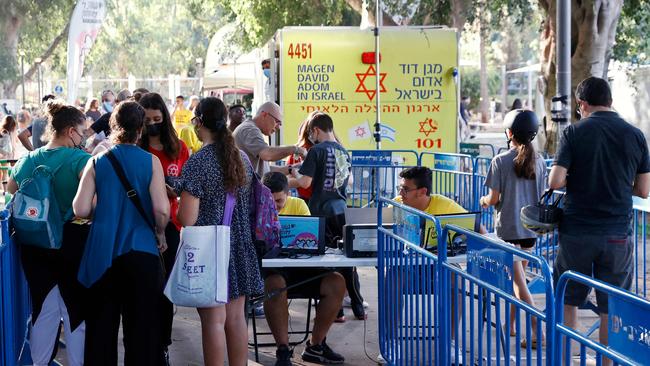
point(369, 58)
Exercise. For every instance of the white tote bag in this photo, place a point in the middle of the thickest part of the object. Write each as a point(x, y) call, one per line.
point(200, 274)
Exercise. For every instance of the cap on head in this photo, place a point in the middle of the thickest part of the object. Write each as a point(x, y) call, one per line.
point(523, 124)
point(272, 109)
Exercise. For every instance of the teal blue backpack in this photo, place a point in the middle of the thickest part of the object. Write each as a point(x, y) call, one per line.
point(35, 214)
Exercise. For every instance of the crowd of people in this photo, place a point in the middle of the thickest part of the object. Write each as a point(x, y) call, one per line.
point(181, 166)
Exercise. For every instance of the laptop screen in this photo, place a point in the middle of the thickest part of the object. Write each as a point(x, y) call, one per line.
point(367, 215)
point(302, 234)
point(467, 220)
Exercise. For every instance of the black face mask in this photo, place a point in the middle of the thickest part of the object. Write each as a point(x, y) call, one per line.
point(154, 129)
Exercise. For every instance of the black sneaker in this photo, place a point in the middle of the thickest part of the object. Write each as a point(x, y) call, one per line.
point(283, 356)
point(321, 353)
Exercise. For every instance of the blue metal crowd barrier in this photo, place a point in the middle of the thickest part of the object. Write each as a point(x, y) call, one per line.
point(641, 207)
point(476, 301)
point(481, 168)
point(14, 299)
point(452, 176)
point(628, 327)
point(408, 304)
point(376, 174)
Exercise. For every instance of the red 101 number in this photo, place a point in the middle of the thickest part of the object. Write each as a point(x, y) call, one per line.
point(300, 50)
point(429, 143)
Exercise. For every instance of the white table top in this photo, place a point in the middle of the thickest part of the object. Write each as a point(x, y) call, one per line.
point(329, 260)
point(326, 260)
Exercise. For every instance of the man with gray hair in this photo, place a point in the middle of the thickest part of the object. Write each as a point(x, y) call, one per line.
point(252, 137)
point(100, 127)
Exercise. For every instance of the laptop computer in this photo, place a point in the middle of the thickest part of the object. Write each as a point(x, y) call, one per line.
point(456, 242)
point(367, 215)
point(360, 231)
point(302, 234)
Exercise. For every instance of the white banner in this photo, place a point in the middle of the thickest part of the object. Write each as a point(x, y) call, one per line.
point(85, 24)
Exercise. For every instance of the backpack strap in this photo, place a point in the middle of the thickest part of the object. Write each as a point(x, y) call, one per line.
point(130, 191)
point(230, 206)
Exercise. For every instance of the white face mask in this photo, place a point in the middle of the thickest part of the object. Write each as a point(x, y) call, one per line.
point(312, 139)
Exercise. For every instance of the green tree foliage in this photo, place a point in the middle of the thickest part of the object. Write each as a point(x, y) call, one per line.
point(32, 28)
point(632, 43)
point(151, 39)
point(259, 19)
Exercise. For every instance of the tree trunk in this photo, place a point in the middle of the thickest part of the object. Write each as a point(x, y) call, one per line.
point(10, 86)
point(385, 18)
point(485, 102)
point(593, 30)
point(459, 15)
point(11, 30)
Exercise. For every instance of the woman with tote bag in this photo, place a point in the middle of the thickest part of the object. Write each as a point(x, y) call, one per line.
point(209, 176)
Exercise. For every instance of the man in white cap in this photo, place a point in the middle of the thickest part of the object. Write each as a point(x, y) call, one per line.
point(252, 137)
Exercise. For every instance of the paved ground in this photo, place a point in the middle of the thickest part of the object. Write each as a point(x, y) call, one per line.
point(353, 339)
point(356, 340)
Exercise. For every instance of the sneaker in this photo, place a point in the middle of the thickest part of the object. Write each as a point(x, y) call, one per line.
point(340, 317)
point(452, 354)
point(166, 357)
point(348, 303)
point(257, 311)
point(321, 353)
point(283, 356)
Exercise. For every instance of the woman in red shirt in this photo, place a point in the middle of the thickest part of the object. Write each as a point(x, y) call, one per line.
point(160, 139)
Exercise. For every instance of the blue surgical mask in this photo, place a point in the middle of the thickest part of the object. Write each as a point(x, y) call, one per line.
point(267, 72)
point(108, 107)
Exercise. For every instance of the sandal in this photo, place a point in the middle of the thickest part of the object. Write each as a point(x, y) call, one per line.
point(533, 344)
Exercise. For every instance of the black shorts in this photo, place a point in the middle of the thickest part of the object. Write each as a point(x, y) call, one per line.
point(292, 276)
point(523, 243)
point(609, 258)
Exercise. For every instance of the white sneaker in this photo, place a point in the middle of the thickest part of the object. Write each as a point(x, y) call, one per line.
point(348, 303)
point(382, 361)
point(452, 354)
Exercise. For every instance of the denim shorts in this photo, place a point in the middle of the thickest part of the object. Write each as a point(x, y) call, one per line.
point(608, 258)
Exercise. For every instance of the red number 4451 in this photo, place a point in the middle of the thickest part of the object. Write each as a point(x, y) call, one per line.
point(300, 50)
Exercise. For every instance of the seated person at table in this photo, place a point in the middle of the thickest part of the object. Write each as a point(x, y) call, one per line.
point(329, 289)
point(415, 191)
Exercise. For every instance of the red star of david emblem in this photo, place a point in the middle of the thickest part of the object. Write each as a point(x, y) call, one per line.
point(428, 126)
point(360, 132)
point(361, 88)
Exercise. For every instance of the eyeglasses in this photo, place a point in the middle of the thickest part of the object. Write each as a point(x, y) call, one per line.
point(404, 189)
point(277, 121)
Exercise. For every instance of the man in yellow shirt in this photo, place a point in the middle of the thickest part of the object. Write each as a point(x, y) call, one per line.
point(181, 116)
point(329, 288)
point(285, 204)
point(189, 137)
point(415, 191)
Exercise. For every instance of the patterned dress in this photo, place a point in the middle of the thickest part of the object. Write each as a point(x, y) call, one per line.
point(202, 177)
